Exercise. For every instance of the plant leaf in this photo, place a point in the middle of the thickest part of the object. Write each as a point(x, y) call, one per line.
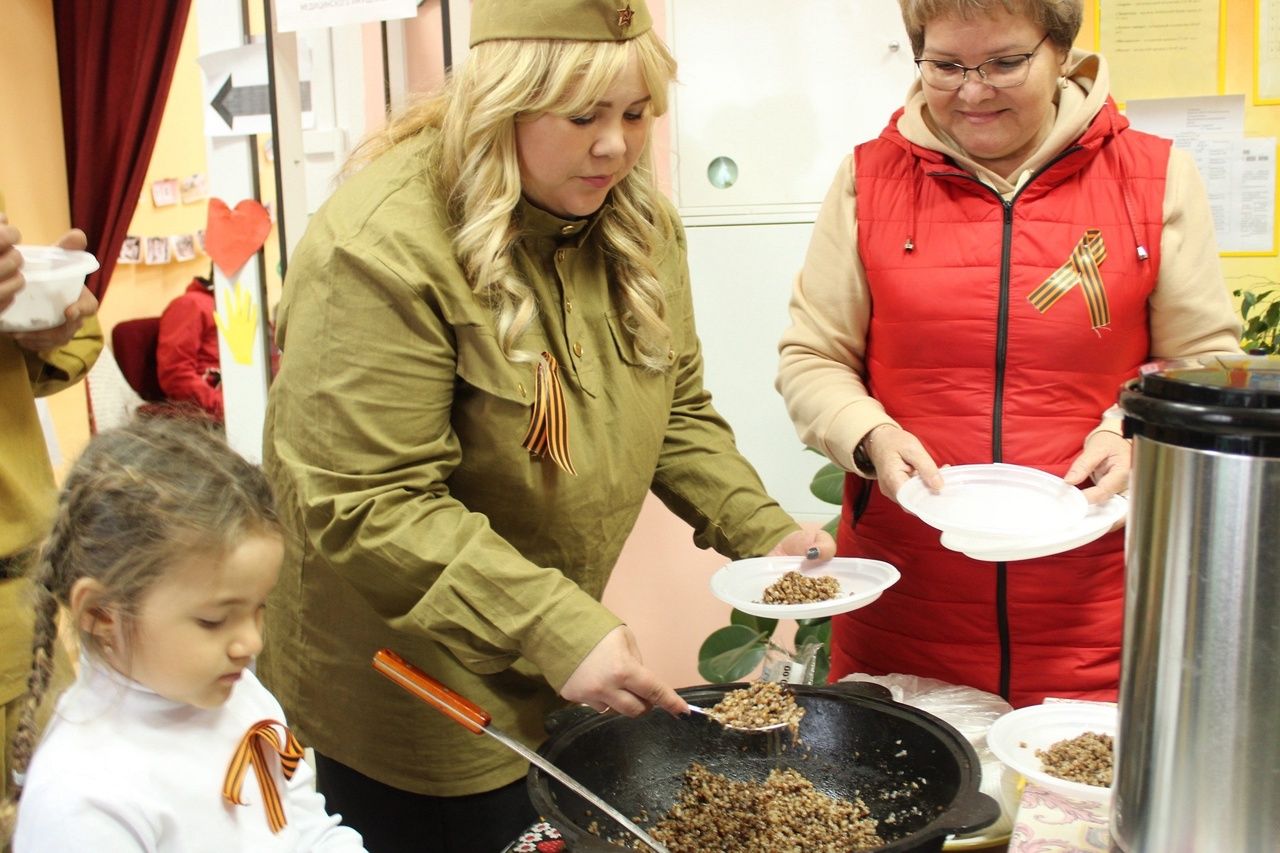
point(731, 653)
point(828, 484)
point(758, 624)
point(816, 631)
point(1247, 300)
point(1260, 316)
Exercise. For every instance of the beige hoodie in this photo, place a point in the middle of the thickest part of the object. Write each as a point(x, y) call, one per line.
point(821, 368)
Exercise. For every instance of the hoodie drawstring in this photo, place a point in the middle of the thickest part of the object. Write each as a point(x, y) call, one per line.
point(1126, 193)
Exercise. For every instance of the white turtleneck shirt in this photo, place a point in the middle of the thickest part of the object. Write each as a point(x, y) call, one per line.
point(121, 768)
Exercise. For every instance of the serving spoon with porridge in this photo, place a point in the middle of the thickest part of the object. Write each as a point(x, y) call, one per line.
point(765, 706)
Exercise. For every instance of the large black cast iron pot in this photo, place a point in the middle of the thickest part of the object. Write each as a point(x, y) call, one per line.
point(855, 742)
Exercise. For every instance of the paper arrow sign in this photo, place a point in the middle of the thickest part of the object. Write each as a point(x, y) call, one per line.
point(234, 101)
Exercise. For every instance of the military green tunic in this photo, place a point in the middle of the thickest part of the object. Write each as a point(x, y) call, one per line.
point(416, 520)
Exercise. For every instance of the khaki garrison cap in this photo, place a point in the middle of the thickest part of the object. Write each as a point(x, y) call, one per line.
point(567, 20)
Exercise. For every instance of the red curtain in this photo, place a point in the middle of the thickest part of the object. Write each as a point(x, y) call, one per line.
point(115, 63)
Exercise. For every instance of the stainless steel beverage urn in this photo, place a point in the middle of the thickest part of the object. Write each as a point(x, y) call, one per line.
point(1198, 751)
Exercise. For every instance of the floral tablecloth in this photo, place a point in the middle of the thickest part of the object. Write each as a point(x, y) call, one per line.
point(540, 838)
point(1048, 822)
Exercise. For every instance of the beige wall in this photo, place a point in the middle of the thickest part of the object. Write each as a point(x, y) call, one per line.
point(33, 169)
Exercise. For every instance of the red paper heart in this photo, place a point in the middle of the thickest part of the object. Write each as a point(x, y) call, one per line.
point(231, 237)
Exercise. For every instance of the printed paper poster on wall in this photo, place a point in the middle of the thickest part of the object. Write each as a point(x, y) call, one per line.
point(1160, 48)
point(1239, 172)
point(1267, 53)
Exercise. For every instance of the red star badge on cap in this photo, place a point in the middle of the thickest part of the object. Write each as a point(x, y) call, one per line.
point(624, 16)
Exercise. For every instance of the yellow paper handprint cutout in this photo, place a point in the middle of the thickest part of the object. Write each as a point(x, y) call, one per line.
point(238, 322)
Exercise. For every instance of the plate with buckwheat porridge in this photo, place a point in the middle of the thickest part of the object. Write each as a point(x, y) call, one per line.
point(797, 588)
point(1065, 746)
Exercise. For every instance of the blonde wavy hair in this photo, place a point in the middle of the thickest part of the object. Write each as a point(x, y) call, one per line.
point(504, 82)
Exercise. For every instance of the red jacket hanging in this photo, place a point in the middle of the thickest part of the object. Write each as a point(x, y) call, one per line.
point(187, 350)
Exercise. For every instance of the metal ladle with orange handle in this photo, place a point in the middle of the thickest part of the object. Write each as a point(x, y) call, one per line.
point(477, 720)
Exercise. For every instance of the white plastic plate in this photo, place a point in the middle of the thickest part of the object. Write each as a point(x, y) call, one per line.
point(1015, 737)
point(742, 584)
point(997, 500)
point(1004, 549)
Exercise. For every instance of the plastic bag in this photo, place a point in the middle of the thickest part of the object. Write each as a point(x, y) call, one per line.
point(798, 668)
point(971, 711)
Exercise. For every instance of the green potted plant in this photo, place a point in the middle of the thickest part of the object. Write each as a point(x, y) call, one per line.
point(733, 652)
point(1260, 315)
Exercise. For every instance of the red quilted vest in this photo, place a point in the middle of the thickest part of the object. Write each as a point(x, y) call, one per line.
point(958, 355)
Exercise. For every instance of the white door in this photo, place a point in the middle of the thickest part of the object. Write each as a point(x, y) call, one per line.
point(772, 94)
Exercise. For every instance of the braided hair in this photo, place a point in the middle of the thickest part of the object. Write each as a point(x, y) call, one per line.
point(140, 499)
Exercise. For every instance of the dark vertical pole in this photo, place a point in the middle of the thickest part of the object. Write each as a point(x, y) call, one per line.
point(386, 69)
point(275, 131)
point(265, 326)
point(448, 36)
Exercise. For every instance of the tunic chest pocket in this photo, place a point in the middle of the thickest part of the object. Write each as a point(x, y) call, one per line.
point(623, 342)
point(482, 366)
point(639, 397)
point(630, 353)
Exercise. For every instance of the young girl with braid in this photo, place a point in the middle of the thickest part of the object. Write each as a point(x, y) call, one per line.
point(163, 551)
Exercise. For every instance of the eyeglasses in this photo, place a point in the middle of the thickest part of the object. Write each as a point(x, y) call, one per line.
point(1003, 72)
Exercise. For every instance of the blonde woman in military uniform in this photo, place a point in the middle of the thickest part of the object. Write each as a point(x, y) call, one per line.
point(489, 360)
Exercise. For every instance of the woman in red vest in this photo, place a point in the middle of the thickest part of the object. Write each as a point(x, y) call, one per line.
point(914, 343)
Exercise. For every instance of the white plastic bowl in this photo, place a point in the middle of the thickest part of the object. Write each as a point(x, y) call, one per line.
point(54, 279)
point(1015, 737)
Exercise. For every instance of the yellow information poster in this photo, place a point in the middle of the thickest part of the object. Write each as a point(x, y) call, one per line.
point(1267, 61)
point(1160, 48)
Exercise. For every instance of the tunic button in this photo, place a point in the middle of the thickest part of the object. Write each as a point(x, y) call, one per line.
point(568, 306)
point(568, 229)
point(520, 388)
point(671, 355)
point(577, 350)
point(560, 255)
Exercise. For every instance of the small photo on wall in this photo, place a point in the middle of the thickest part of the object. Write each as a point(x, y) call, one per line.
point(184, 247)
point(157, 250)
point(165, 192)
point(193, 188)
point(131, 250)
